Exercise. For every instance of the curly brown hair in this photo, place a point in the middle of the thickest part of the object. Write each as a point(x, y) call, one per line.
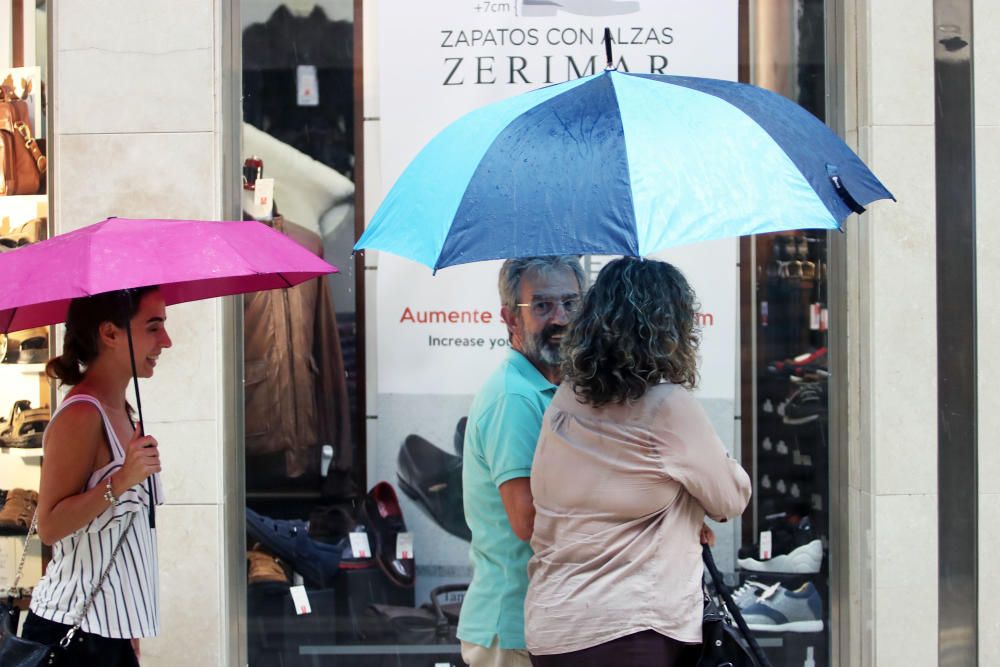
point(635, 329)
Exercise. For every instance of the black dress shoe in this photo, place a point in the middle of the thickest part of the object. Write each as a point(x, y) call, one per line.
point(385, 521)
point(433, 478)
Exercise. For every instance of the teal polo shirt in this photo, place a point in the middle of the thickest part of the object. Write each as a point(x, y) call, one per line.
point(500, 437)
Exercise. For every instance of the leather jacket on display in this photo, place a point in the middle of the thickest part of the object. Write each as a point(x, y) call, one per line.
point(296, 390)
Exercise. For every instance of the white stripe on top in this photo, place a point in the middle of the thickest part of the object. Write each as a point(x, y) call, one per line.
point(127, 606)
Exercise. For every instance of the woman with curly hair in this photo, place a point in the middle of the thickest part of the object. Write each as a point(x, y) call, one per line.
point(626, 469)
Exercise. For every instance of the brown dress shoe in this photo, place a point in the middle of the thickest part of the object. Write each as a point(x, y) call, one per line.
point(265, 568)
point(17, 512)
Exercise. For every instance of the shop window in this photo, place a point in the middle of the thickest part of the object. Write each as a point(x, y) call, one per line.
point(783, 564)
point(25, 392)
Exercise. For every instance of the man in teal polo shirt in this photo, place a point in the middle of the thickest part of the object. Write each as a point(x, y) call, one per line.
point(537, 296)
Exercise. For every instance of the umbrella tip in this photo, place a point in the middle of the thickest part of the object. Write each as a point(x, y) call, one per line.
point(607, 48)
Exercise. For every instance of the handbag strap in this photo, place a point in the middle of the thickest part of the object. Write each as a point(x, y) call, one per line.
point(731, 606)
point(88, 602)
point(41, 162)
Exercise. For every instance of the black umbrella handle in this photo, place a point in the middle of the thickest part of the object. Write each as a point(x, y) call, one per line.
point(138, 407)
point(607, 47)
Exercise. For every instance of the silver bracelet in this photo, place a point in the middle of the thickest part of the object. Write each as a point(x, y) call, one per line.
point(109, 494)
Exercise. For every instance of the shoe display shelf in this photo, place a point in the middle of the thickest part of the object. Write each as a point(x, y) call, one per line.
point(789, 439)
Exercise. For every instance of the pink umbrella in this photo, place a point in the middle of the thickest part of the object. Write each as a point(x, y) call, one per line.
point(188, 259)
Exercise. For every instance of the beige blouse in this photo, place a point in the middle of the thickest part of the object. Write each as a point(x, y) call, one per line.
point(620, 496)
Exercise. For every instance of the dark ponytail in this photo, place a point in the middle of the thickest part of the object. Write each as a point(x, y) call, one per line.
point(81, 344)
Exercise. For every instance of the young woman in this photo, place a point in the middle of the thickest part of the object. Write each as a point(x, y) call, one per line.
point(94, 491)
point(626, 469)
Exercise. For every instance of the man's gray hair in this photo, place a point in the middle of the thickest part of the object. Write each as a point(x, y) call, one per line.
point(509, 283)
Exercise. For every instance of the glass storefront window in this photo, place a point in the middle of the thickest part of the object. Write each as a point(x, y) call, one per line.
point(783, 564)
point(315, 518)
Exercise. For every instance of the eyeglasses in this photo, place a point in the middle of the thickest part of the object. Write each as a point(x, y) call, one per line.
point(547, 307)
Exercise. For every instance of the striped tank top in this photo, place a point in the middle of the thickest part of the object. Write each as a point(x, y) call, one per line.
point(128, 605)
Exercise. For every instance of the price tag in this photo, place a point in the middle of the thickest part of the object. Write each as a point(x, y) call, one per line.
point(404, 546)
point(814, 316)
point(765, 545)
point(300, 600)
point(359, 545)
point(306, 86)
point(259, 202)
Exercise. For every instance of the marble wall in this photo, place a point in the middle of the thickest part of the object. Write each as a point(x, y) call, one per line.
point(892, 366)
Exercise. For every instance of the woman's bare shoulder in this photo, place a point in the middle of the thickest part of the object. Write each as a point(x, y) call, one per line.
point(78, 425)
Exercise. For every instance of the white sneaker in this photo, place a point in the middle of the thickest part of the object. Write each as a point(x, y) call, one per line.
point(806, 559)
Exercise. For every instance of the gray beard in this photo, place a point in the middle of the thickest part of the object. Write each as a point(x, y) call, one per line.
point(540, 352)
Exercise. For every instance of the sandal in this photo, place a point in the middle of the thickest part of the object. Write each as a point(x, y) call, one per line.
point(30, 232)
point(30, 346)
point(25, 426)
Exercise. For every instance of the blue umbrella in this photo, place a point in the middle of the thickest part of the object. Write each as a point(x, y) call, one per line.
point(619, 164)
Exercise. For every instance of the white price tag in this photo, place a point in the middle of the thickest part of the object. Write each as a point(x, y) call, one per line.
point(306, 86)
point(796, 457)
point(300, 600)
point(765, 545)
point(814, 316)
point(404, 546)
point(359, 545)
point(259, 202)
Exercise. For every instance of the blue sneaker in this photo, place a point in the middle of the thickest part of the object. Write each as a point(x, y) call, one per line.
point(782, 610)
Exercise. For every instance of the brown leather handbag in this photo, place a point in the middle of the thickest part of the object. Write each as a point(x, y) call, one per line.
point(23, 163)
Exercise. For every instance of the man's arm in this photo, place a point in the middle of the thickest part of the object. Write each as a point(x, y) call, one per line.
point(520, 505)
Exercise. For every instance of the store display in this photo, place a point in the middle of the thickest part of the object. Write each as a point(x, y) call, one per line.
point(384, 519)
point(806, 559)
point(23, 165)
point(783, 610)
point(749, 591)
point(25, 426)
point(295, 392)
point(32, 231)
point(784, 584)
point(808, 403)
point(17, 510)
point(29, 346)
point(434, 622)
point(264, 568)
point(318, 563)
point(432, 478)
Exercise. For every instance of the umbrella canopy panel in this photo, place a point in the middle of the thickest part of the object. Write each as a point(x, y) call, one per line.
point(188, 259)
point(619, 163)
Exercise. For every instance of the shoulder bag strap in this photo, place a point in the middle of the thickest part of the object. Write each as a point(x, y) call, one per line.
point(89, 600)
point(731, 607)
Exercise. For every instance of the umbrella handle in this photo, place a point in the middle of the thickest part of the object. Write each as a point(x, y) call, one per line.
point(607, 47)
point(138, 407)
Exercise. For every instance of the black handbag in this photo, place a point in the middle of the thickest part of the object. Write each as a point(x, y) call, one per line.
point(18, 652)
point(724, 645)
point(14, 651)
